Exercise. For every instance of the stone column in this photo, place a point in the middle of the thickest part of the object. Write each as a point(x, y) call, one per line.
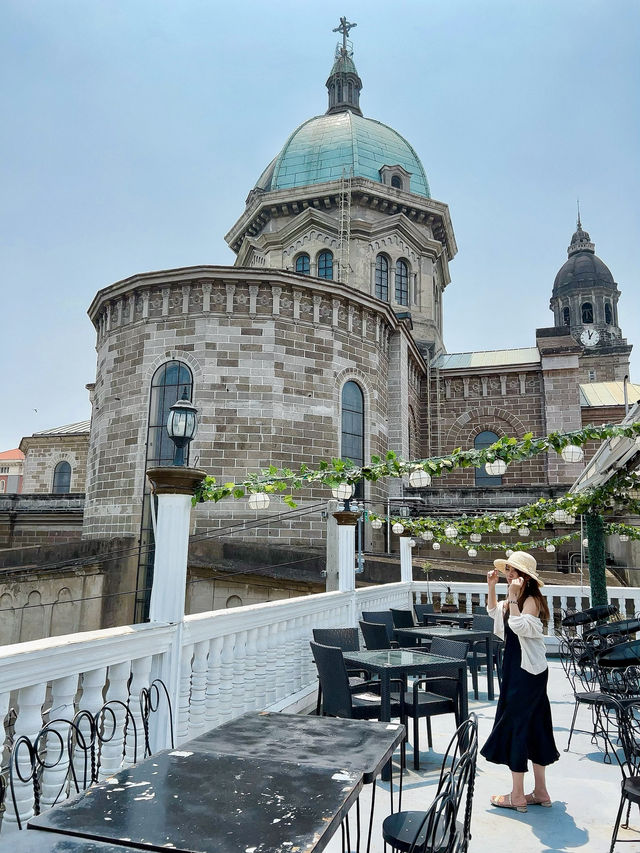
point(175, 488)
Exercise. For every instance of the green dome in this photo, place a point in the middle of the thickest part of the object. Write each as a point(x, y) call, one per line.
point(325, 146)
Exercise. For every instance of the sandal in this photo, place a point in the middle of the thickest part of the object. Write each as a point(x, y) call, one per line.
point(503, 801)
point(532, 800)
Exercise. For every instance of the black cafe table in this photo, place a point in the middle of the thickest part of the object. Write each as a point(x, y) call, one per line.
point(624, 627)
point(465, 635)
point(203, 802)
point(363, 746)
point(53, 842)
point(360, 745)
point(462, 619)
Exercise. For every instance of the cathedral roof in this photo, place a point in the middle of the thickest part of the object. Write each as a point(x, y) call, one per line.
point(342, 142)
point(487, 358)
point(328, 146)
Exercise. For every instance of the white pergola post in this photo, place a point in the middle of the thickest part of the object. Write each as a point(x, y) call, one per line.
point(406, 565)
point(174, 488)
point(346, 550)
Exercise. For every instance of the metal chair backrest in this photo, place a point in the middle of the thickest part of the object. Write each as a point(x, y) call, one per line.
point(437, 830)
point(629, 734)
point(449, 648)
point(344, 638)
point(384, 617)
point(422, 610)
point(480, 622)
point(403, 618)
point(336, 696)
point(375, 635)
point(462, 752)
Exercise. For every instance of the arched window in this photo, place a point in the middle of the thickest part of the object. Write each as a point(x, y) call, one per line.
point(402, 283)
point(352, 433)
point(325, 265)
point(382, 278)
point(608, 315)
point(482, 440)
point(396, 181)
point(566, 317)
point(169, 384)
point(62, 479)
point(587, 312)
point(303, 264)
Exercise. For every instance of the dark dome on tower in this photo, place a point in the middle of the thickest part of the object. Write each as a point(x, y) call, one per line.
point(583, 269)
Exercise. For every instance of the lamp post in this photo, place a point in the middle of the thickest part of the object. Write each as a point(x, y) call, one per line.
point(182, 426)
point(174, 486)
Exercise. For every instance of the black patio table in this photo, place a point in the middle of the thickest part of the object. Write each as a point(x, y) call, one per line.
point(460, 618)
point(360, 745)
point(53, 842)
point(364, 746)
point(465, 635)
point(388, 664)
point(623, 627)
point(204, 802)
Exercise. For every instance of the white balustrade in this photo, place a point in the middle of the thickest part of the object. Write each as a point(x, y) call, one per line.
point(198, 695)
point(113, 721)
point(184, 692)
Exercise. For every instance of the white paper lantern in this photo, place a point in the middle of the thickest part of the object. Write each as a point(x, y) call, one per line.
point(508, 553)
point(411, 543)
point(560, 516)
point(450, 532)
point(398, 528)
point(376, 523)
point(472, 552)
point(342, 492)
point(523, 531)
point(569, 519)
point(624, 537)
point(496, 468)
point(475, 537)
point(585, 542)
point(436, 546)
point(504, 528)
point(259, 500)
point(638, 440)
point(550, 548)
point(426, 535)
point(419, 479)
point(572, 453)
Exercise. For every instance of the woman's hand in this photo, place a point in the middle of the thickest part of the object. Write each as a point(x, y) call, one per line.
point(492, 578)
point(516, 585)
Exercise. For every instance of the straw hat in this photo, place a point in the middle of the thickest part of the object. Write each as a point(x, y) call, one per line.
point(523, 562)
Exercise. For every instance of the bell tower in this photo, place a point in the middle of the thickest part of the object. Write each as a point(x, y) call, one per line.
point(584, 301)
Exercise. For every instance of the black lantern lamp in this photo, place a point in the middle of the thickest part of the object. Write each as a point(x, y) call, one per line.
point(182, 425)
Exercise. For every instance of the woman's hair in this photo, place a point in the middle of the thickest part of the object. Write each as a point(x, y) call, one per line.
point(530, 589)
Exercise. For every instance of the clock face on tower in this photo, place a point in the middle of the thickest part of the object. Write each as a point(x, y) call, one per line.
point(590, 337)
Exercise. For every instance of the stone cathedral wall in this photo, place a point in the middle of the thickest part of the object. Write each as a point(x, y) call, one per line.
point(269, 353)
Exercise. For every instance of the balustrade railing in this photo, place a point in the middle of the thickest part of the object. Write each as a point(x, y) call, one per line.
point(232, 661)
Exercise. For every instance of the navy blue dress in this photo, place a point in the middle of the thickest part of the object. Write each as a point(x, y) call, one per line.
point(522, 729)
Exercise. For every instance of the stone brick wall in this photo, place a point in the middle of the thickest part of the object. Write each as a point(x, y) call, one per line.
point(464, 404)
point(44, 452)
point(40, 519)
point(269, 352)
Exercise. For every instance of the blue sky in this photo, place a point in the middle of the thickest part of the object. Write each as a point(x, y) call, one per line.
point(133, 131)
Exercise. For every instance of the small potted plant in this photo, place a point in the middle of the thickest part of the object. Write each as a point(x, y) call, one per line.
point(448, 605)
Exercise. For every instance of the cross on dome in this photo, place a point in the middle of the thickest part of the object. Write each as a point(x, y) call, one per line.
point(344, 28)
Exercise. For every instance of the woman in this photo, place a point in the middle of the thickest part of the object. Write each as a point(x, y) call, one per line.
point(522, 730)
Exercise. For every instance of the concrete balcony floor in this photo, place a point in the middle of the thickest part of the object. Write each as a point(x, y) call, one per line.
point(585, 791)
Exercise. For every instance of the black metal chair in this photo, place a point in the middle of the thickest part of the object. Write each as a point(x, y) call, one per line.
point(404, 619)
point(581, 669)
point(375, 636)
point(346, 639)
point(410, 831)
point(422, 610)
point(339, 700)
point(383, 617)
point(628, 716)
point(481, 622)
